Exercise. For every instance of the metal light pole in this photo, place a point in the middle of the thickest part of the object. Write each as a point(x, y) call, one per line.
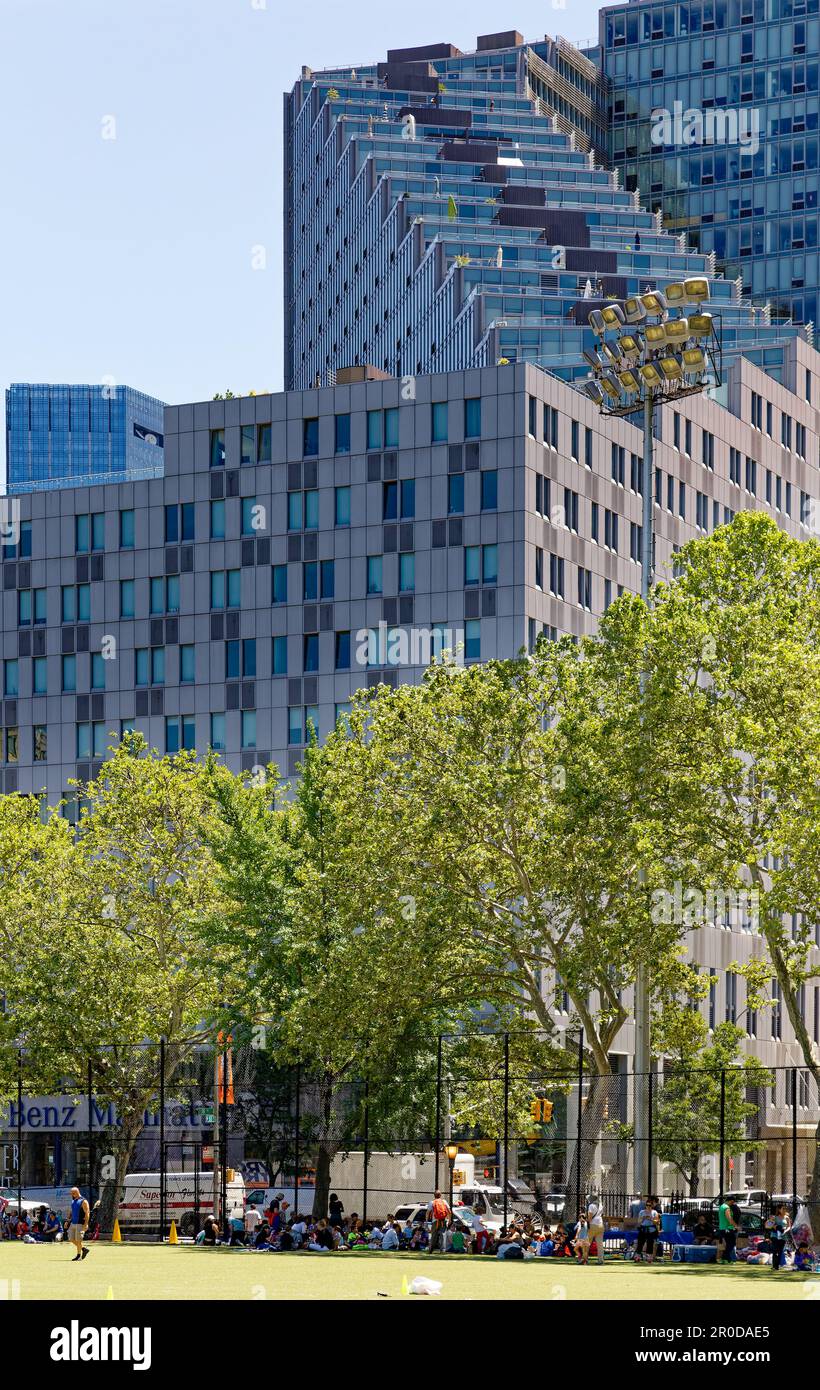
point(661, 357)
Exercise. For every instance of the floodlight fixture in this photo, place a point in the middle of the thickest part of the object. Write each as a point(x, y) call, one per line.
point(675, 294)
point(694, 361)
point(697, 290)
point(677, 330)
point(629, 381)
point(634, 310)
point(701, 325)
point(670, 367)
point(654, 303)
point(610, 385)
point(612, 354)
point(597, 323)
point(592, 359)
point(650, 375)
point(593, 390)
point(631, 346)
point(612, 315)
point(655, 335)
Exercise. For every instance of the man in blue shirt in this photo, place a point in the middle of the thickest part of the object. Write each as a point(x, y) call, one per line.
point(78, 1226)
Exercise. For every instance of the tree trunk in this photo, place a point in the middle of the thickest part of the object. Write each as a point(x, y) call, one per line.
point(327, 1148)
point(580, 1173)
point(694, 1180)
point(112, 1183)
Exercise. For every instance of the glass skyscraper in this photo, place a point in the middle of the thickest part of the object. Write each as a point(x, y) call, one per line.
point(730, 156)
point(68, 436)
point(447, 210)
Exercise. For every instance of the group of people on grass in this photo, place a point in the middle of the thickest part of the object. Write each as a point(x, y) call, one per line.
point(434, 1229)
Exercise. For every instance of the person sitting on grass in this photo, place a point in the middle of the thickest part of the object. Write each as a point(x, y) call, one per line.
point(561, 1242)
point(545, 1245)
point(391, 1236)
point(420, 1239)
point(702, 1231)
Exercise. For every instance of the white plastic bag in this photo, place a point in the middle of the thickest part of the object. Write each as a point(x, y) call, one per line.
point(801, 1231)
point(422, 1285)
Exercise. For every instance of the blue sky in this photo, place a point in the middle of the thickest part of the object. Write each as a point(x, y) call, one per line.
point(131, 257)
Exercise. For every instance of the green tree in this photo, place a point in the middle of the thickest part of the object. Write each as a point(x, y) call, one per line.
point(108, 961)
point(734, 655)
point(347, 980)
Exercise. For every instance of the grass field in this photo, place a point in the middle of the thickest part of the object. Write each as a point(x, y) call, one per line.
point(185, 1272)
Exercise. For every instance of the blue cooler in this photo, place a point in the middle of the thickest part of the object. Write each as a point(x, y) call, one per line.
point(670, 1221)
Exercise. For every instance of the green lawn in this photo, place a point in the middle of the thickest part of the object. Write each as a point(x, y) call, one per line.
point(186, 1272)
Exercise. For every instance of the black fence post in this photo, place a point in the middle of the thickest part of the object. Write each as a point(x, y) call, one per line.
point(794, 1143)
point(722, 1131)
point(506, 1118)
point(297, 1123)
point(437, 1144)
point(20, 1134)
point(90, 1133)
point(366, 1155)
point(162, 1166)
point(579, 1140)
point(650, 1086)
point(223, 1139)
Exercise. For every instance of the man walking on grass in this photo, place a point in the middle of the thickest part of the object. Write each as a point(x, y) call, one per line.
point(78, 1225)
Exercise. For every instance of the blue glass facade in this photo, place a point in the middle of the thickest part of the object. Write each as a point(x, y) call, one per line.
point(739, 174)
point(69, 436)
point(448, 210)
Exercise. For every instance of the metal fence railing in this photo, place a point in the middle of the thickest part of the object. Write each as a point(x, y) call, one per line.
point(159, 1134)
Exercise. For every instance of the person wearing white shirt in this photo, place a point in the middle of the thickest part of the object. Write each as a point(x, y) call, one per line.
point(390, 1238)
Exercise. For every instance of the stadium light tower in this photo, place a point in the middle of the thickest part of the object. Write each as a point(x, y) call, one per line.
point(651, 350)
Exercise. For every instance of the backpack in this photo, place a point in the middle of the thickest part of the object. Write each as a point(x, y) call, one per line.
point(440, 1209)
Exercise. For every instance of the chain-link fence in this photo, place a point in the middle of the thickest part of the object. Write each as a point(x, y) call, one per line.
point(505, 1124)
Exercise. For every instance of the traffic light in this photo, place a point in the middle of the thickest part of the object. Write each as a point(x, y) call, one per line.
point(541, 1110)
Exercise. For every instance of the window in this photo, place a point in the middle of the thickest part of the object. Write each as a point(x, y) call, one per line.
point(127, 530)
point(11, 678)
point(570, 509)
point(618, 464)
point(587, 446)
point(249, 728)
point(408, 498)
point(557, 575)
point(217, 448)
point(295, 511)
point(489, 564)
point(225, 588)
point(69, 675)
point(708, 449)
point(89, 533)
point(40, 743)
point(39, 683)
point(776, 1011)
point(342, 651)
point(180, 732)
point(218, 520)
point(310, 581)
point(573, 435)
point(91, 740)
point(310, 652)
point(584, 587)
point(391, 428)
point(312, 510)
point(440, 422)
point(472, 564)
point(232, 660)
point(472, 639)
point(551, 426)
point(751, 475)
point(187, 664)
point(171, 523)
point(247, 444)
point(375, 429)
point(149, 666)
point(218, 731)
point(97, 671)
point(294, 724)
point(539, 567)
point(342, 506)
point(455, 493)
point(12, 744)
point(532, 417)
point(374, 574)
point(635, 535)
point(279, 665)
point(264, 444)
point(489, 490)
point(407, 573)
point(311, 722)
point(390, 501)
point(327, 576)
point(472, 418)
point(251, 516)
point(126, 598)
point(279, 584)
point(342, 434)
point(310, 437)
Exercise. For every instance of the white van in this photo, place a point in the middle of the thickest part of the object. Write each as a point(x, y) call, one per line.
point(140, 1205)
